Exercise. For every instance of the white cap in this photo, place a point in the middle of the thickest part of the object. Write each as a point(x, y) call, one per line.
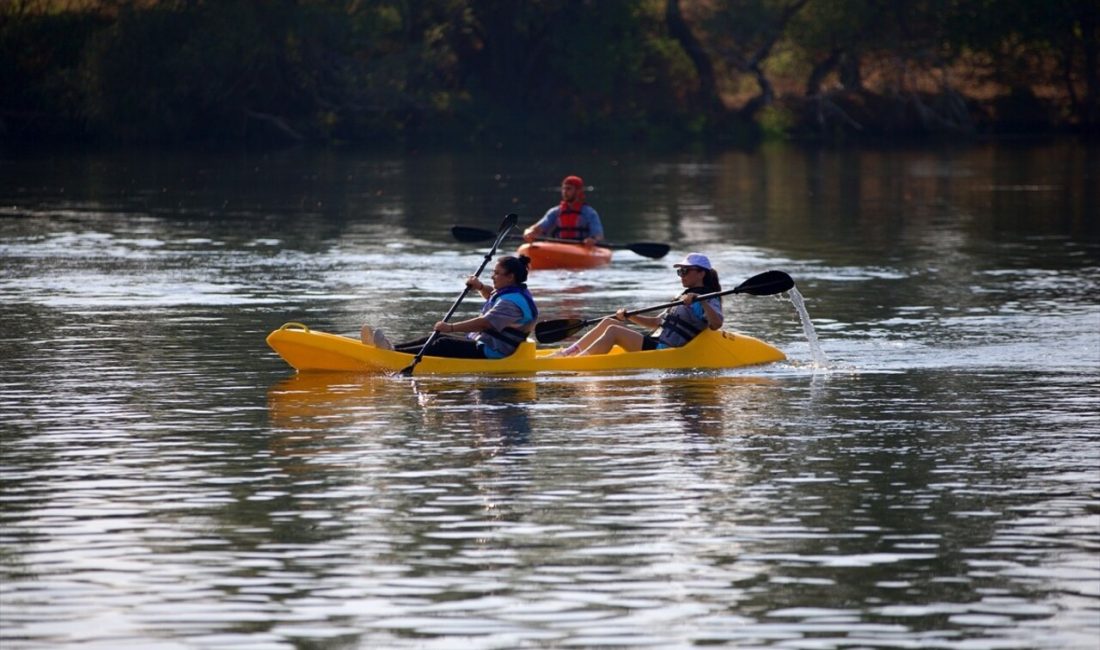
point(695, 259)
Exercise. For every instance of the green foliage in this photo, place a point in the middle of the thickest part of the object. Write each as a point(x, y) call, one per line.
point(485, 71)
point(777, 122)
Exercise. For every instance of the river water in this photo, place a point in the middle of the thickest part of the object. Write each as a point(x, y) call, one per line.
point(928, 478)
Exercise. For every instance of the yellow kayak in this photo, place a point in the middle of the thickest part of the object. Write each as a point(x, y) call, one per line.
point(310, 351)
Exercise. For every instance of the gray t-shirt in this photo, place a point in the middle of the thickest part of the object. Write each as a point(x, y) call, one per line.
point(504, 313)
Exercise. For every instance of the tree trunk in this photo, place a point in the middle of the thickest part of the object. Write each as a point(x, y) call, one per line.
point(766, 96)
point(767, 93)
point(851, 77)
point(822, 70)
point(707, 93)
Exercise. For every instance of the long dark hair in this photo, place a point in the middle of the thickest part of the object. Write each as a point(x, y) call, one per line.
point(516, 265)
point(710, 281)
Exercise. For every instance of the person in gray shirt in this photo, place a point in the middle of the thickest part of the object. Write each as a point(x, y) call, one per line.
point(507, 317)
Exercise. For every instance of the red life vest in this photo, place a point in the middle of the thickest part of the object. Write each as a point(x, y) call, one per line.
point(569, 214)
point(569, 221)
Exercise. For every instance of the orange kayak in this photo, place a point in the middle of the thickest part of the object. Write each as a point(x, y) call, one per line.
point(555, 255)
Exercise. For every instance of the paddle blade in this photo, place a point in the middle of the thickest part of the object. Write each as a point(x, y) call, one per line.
point(552, 331)
point(407, 371)
point(650, 249)
point(510, 221)
point(767, 283)
point(468, 234)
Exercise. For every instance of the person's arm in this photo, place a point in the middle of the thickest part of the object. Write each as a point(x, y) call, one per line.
point(503, 314)
point(713, 316)
point(479, 286)
point(649, 322)
point(478, 324)
point(595, 227)
point(541, 227)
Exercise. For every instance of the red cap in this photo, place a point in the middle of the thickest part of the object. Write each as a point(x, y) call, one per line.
point(575, 181)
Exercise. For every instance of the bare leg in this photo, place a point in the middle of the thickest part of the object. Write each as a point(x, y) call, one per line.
point(596, 332)
point(589, 337)
point(614, 334)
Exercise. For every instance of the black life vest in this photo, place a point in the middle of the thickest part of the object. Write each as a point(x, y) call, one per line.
point(681, 324)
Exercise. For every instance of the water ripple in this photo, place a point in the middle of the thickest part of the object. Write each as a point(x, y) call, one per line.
point(165, 481)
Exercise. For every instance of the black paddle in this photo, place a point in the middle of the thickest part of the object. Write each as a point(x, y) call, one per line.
point(767, 283)
point(506, 225)
point(645, 249)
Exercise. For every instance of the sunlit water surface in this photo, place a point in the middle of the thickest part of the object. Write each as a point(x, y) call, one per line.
point(927, 478)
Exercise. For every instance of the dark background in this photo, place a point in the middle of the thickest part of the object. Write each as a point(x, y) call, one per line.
point(569, 73)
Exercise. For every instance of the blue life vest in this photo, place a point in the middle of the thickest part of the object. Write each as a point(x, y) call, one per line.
point(497, 344)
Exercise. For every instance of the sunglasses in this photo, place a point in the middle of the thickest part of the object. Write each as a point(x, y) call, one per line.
point(683, 270)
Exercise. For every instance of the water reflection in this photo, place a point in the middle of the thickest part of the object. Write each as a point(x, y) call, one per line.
point(491, 413)
point(712, 406)
point(494, 409)
point(310, 414)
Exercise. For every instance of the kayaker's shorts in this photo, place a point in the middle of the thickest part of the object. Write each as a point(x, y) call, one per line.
point(649, 343)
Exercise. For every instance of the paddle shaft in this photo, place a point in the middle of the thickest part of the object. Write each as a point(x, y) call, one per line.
point(763, 284)
point(645, 249)
point(560, 240)
point(505, 226)
point(642, 310)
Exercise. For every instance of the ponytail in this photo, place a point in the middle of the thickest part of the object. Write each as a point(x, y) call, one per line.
point(517, 266)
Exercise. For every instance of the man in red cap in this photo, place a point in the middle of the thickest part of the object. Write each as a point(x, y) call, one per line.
point(572, 219)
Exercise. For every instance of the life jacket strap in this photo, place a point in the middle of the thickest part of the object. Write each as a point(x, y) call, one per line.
point(682, 327)
point(509, 335)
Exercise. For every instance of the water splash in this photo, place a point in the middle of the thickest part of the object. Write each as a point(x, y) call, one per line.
point(795, 297)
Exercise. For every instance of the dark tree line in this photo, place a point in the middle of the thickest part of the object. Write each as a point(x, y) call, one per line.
point(481, 72)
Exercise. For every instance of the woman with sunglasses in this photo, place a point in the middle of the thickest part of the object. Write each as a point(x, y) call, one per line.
point(678, 325)
point(507, 317)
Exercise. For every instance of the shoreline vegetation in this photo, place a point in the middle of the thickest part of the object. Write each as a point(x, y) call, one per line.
point(491, 73)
